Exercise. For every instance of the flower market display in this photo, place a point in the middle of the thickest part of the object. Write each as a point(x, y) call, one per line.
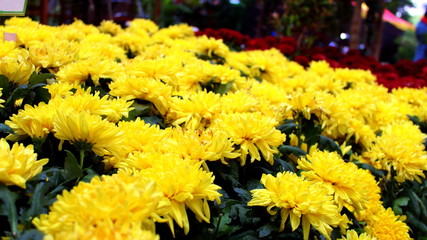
point(149, 133)
point(404, 73)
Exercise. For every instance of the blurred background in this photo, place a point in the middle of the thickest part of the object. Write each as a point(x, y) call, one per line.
point(384, 29)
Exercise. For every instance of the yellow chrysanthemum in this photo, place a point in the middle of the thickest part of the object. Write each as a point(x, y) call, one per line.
point(144, 88)
point(185, 185)
point(399, 149)
point(385, 225)
point(268, 65)
point(210, 47)
point(131, 42)
point(238, 102)
point(79, 72)
point(17, 69)
point(343, 180)
point(61, 90)
point(102, 51)
point(140, 24)
point(200, 146)
point(18, 164)
point(162, 69)
point(110, 27)
point(35, 122)
point(113, 109)
point(83, 129)
point(7, 47)
point(53, 54)
point(298, 199)
point(253, 132)
point(352, 235)
point(174, 31)
point(112, 206)
point(194, 111)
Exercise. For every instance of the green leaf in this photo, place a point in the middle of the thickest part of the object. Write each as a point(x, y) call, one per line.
point(154, 120)
point(328, 144)
point(18, 93)
point(42, 95)
point(266, 230)
point(243, 194)
point(32, 234)
point(6, 129)
point(288, 127)
point(376, 172)
point(8, 207)
point(4, 85)
point(398, 203)
point(224, 88)
point(287, 149)
point(246, 235)
point(39, 78)
point(72, 169)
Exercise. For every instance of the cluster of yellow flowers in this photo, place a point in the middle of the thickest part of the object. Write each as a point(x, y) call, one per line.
point(162, 173)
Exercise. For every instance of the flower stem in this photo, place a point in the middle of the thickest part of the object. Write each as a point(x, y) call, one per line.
point(82, 156)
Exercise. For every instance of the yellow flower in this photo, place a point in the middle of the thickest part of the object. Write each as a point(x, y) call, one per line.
point(210, 47)
point(131, 42)
point(352, 235)
point(110, 27)
point(18, 164)
point(7, 47)
point(197, 145)
point(185, 185)
point(343, 180)
point(79, 72)
point(101, 51)
point(113, 109)
point(399, 149)
point(238, 102)
point(299, 200)
point(140, 24)
point(17, 69)
point(36, 122)
point(52, 54)
point(114, 207)
point(144, 88)
point(253, 132)
point(384, 225)
point(82, 128)
point(195, 111)
point(174, 31)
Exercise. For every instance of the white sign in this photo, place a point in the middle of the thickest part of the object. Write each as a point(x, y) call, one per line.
point(13, 7)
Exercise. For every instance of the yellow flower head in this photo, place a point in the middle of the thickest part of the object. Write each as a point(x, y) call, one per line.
point(83, 129)
point(112, 206)
point(162, 69)
point(35, 122)
point(110, 27)
point(253, 132)
point(343, 180)
point(298, 199)
point(53, 54)
point(17, 69)
point(140, 24)
point(102, 51)
point(18, 164)
point(174, 31)
point(80, 71)
point(196, 111)
point(210, 47)
point(1, 100)
point(185, 185)
point(144, 88)
point(352, 235)
point(238, 102)
point(399, 149)
point(113, 109)
point(199, 146)
point(131, 42)
point(6, 48)
point(386, 225)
